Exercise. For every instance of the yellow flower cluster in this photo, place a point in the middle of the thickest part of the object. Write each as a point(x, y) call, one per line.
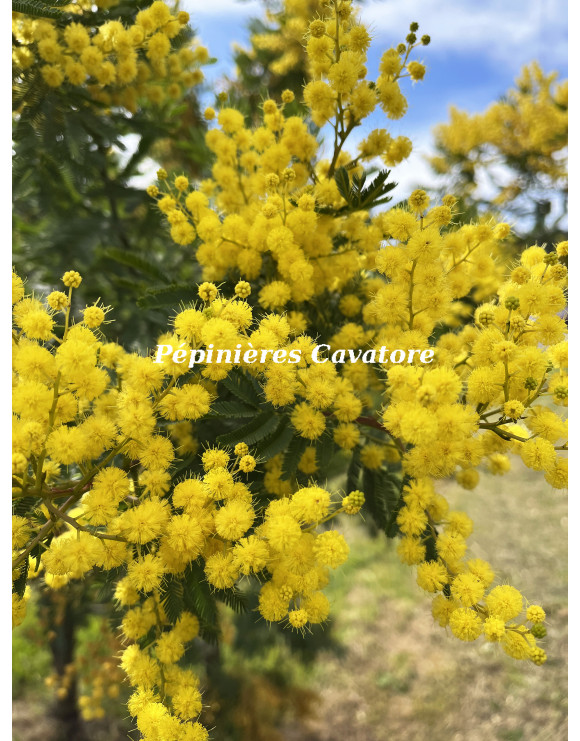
point(166, 699)
point(434, 538)
point(272, 186)
point(471, 406)
point(530, 125)
point(90, 445)
point(288, 27)
point(488, 379)
point(115, 64)
point(98, 431)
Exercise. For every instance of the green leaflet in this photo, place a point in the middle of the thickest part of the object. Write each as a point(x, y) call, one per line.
point(353, 473)
point(135, 261)
point(243, 387)
point(199, 599)
point(293, 455)
point(171, 295)
point(171, 593)
point(276, 442)
point(19, 585)
point(23, 505)
point(325, 448)
point(233, 598)
point(251, 433)
point(357, 196)
point(39, 9)
point(230, 409)
point(382, 499)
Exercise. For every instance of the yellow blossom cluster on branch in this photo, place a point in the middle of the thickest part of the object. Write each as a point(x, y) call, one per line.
point(188, 479)
point(116, 64)
point(71, 416)
point(527, 133)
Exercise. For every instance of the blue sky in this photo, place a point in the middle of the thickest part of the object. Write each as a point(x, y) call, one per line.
point(476, 50)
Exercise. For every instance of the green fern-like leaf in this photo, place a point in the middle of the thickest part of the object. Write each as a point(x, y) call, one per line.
point(172, 598)
point(241, 386)
point(256, 430)
point(19, 585)
point(135, 261)
point(277, 442)
point(231, 409)
point(38, 9)
point(354, 471)
point(199, 599)
point(171, 295)
point(233, 598)
point(292, 456)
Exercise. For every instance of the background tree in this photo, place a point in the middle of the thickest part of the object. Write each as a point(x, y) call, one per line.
point(512, 158)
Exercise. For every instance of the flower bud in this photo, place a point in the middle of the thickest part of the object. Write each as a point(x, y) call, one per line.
point(512, 303)
point(538, 630)
point(317, 29)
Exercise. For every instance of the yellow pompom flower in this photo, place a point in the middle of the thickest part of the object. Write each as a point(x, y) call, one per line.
point(221, 570)
point(494, 629)
point(442, 608)
point(538, 454)
point(298, 618)
point(432, 576)
point(517, 645)
point(169, 648)
point(465, 624)
point(419, 201)
point(207, 292)
point(233, 520)
point(467, 589)
point(243, 289)
point(57, 300)
point(310, 504)
point(72, 279)
point(411, 551)
point(504, 602)
point(535, 614)
point(247, 463)
point(146, 574)
point(17, 288)
point(93, 316)
point(331, 549)
point(250, 554)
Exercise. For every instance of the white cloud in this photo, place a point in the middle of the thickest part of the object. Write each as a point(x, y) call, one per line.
point(509, 33)
point(228, 9)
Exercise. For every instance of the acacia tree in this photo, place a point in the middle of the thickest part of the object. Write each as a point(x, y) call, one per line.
point(512, 158)
point(178, 480)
